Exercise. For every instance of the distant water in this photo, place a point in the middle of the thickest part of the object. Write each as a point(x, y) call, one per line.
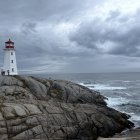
point(121, 89)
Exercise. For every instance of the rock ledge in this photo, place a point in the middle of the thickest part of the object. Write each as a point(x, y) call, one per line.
point(35, 108)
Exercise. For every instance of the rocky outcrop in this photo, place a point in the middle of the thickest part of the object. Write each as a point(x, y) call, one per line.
point(35, 108)
point(131, 134)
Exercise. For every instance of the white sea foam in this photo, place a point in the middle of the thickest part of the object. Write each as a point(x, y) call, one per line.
point(128, 94)
point(127, 81)
point(107, 87)
point(102, 87)
point(114, 102)
point(87, 85)
point(135, 118)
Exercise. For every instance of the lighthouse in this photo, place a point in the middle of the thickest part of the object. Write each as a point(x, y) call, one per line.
point(10, 65)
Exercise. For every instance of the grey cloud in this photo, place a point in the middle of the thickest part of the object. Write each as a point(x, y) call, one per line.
point(34, 26)
point(39, 10)
point(123, 40)
point(28, 27)
point(113, 15)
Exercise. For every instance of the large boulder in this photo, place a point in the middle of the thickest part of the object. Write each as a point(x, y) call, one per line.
point(35, 108)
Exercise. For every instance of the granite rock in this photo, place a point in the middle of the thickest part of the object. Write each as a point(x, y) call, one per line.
point(43, 109)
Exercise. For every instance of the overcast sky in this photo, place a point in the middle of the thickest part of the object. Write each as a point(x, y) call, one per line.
point(72, 35)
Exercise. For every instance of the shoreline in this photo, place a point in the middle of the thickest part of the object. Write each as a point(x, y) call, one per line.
point(36, 107)
point(129, 134)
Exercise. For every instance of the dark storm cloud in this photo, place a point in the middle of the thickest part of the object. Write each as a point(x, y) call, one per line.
point(69, 35)
point(112, 36)
point(128, 43)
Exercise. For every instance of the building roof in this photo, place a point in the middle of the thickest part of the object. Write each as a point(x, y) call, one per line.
point(9, 42)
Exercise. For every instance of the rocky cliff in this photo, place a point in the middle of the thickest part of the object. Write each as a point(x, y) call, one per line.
point(34, 108)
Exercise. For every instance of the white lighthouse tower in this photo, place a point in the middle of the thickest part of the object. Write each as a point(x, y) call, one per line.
point(10, 65)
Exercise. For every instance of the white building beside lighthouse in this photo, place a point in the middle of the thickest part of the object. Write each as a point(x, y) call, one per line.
point(10, 64)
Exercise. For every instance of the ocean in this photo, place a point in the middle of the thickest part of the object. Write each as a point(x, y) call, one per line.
point(121, 89)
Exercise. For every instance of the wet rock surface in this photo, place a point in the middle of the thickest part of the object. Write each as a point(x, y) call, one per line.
point(131, 134)
point(34, 108)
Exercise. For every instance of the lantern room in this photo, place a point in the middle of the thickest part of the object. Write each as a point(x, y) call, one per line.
point(9, 44)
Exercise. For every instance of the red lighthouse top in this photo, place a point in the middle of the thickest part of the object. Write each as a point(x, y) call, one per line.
point(9, 44)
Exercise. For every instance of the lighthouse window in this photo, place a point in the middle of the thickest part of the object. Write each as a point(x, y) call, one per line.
point(12, 61)
point(12, 69)
point(11, 53)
